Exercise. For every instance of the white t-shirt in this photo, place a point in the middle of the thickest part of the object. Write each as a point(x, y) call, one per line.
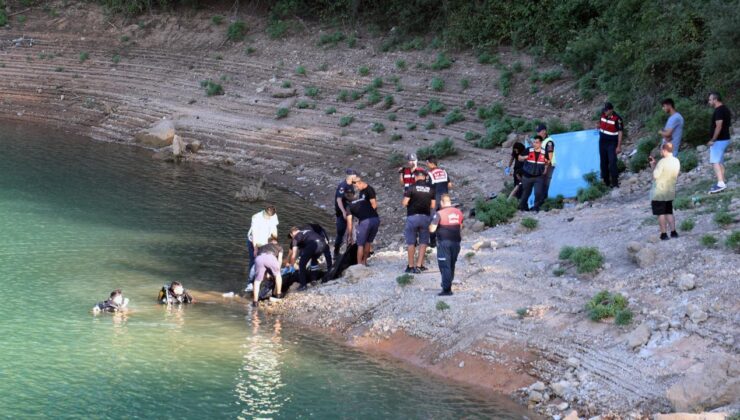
point(261, 228)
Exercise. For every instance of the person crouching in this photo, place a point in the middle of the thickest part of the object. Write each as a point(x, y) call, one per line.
point(268, 258)
point(307, 246)
point(447, 223)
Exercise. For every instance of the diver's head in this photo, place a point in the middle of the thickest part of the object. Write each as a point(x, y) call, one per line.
point(177, 288)
point(116, 296)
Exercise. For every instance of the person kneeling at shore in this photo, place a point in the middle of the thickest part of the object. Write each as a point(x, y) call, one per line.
point(367, 226)
point(268, 260)
point(115, 303)
point(174, 294)
point(307, 246)
point(447, 223)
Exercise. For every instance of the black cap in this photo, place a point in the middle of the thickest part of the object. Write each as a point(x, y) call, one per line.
point(420, 172)
point(350, 171)
point(540, 128)
point(608, 106)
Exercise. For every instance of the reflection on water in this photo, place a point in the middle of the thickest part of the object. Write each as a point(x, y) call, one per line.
point(259, 382)
point(79, 219)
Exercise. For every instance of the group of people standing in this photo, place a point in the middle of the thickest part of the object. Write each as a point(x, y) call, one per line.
point(533, 168)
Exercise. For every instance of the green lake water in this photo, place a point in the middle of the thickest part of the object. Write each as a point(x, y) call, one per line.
point(79, 219)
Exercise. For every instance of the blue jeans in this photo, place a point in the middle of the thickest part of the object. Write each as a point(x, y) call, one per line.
point(341, 231)
point(447, 252)
point(250, 250)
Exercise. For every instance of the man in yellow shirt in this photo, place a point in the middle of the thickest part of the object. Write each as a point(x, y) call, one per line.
point(665, 175)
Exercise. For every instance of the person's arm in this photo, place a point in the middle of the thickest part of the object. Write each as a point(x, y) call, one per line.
point(717, 130)
point(434, 223)
point(434, 204)
point(293, 255)
point(522, 158)
point(340, 203)
point(620, 129)
point(405, 201)
point(400, 176)
point(349, 229)
point(374, 203)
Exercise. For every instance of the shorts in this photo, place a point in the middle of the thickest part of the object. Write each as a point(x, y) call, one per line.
point(717, 151)
point(662, 207)
point(366, 230)
point(263, 263)
point(417, 226)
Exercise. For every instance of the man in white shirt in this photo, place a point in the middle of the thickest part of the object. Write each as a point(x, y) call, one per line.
point(263, 227)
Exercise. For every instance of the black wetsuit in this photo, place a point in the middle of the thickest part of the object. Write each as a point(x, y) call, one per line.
point(108, 306)
point(167, 296)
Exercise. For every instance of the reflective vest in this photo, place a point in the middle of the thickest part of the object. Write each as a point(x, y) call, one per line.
point(544, 147)
point(535, 163)
point(610, 125)
point(408, 176)
point(440, 180)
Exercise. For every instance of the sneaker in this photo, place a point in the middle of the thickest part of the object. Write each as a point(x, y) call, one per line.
point(717, 188)
point(445, 293)
point(663, 236)
point(410, 270)
point(276, 298)
point(674, 234)
point(255, 304)
point(422, 269)
point(302, 288)
point(249, 288)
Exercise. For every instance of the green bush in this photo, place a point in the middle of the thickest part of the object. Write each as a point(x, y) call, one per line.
point(346, 120)
point(453, 117)
point(470, 136)
point(595, 190)
point(212, 88)
point(522, 312)
point(236, 31)
point(430, 126)
point(689, 160)
point(373, 97)
point(550, 203)
point(401, 64)
point(410, 126)
point(300, 70)
point(723, 218)
point(277, 28)
point(388, 101)
point(586, 259)
point(497, 211)
point(404, 279)
point(332, 39)
point(433, 106)
point(682, 203)
point(305, 105)
point(488, 58)
point(687, 225)
point(695, 114)
point(330, 111)
point(392, 116)
point(396, 159)
point(217, 19)
point(465, 84)
point(84, 56)
point(469, 104)
point(442, 306)
point(311, 92)
point(733, 241)
point(286, 84)
point(709, 241)
point(378, 127)
point(3, 15)
point(377, 83)
point(530, 223)
point(437, 84)
point(343, 95)
point(608, 305)
point(396, 137)
point(493, 111)
point(440, 149)
point(441, 63)
point(558, 272)
point(504, 82)
point(363, 71)
point(281, 113)
point(639, 160)
point(551, 76)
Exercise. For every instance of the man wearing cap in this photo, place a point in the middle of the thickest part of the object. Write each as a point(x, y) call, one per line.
point(447, 224)
point(610, 144)
point(340, 208)
point(419, 203)
point(533, 172)
point(406, 172)
point(263, 227)
point(548, 145)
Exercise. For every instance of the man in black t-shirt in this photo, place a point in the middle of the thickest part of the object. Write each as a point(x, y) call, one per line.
point(306, 246)
point(719, 139)
point(340, 208)
point(419, 203)
point(367, 226)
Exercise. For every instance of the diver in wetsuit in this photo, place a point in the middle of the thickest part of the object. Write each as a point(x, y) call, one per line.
point(115, 303)
point(174, 294)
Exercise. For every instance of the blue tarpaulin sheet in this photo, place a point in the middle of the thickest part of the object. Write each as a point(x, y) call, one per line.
point(577, 154)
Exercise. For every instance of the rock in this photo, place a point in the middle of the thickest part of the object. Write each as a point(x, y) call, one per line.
point(178, 146)
point(561, 388)
point(696, 314)
point(287, 103)
point(686, 282)
point(633, 247)
point(478, 226)
point(535, 396)
point(572, 415)
point(510, 140)
point(164, 155)
point(714, 383)
point(194, 146)
point(481, 245)
point(645, 257)
point(573, 362)
point(690, 416)
point(229, 162)
point(701, 148)
point(537, 386)
point(638, 337)
point(562, 406)
point(461, 365)
point(280, 92)
point(615, 193)
point(159, 135)
point(357, 272)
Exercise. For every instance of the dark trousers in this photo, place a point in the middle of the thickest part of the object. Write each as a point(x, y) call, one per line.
point(433, 235)
point(608, 155)
point(250, 250)
point(548, 179)
point(447, 252)
point(538, 184)
point(341, 231)
point(310, 254)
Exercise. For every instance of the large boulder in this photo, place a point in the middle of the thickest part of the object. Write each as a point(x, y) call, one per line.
point(645, 257)
point(638, 337)
point(178, 146)
point(714, 383)
point(160, 134)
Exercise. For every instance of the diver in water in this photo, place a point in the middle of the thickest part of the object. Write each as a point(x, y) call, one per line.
point(115, 303)
point(174, 294)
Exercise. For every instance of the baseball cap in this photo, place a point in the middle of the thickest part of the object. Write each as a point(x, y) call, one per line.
point(411, 156)
point(420, 172)
point(540, 128)
point(608, 106)
point(350, 171)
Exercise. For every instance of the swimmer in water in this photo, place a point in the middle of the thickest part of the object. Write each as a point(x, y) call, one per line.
point(175, 293)
point(115, 303)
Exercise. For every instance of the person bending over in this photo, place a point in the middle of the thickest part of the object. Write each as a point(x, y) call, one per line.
point(367, 226)
point(268, 259)
point(419, 203)
point(306, 246)
point(174, 294)
point(115, 303)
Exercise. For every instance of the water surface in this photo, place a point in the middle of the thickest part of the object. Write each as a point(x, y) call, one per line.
point(78, 219)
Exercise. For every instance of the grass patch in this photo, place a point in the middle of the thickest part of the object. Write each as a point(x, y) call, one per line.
point(522, 312)
point(300, 70)
point(212, 88)
point(217, 19)
point(277, 28)
point(471, 136)
point(311, 92)
point(683, 203)
point(377, 127)
point(453, 117)
point(430, 126)
point(442, 306)
point(464, 84)
point(586, 259)
point(332, 39)
point(401, 64)
point(116, 59)
point(287, 84)
point(608, 305)
point(558, 272)
point(551, 203)
point(377, 83)
point(305, 105)
point(388, 101)
point(497, 211)
point(687, 225)
point(373, 97)
point(411, 126)
point(530, 223)
point(488, 58)
point(346, 120)
point(236, 31)
point(396, 137)
point(440, 149)
point(363, 71)
point(689, 160)
point(469, 104)
point(442, 62)
point(57, 69)
point(351, 41)
point(404, 279)
point(330, 111)
point(281, 113)
point(595, 190)
point(84, 56)
point(505, 81)
point(396, 159)
point(709, 241)
point(392, 116)
point(433, 106)
point(437, 84)
point(639, 160)
point(723, 218)
point(733, 241)
point(551, 76)
point(469, 254)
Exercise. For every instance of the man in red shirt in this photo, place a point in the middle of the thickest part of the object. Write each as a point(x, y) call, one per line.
point(447, 223)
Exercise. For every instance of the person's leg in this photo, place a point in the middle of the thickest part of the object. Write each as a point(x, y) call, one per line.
point(443, 262)
point(604, 162)
point(260, 270)
point(613, 170)
point(327, 257)
point(548, 180)
point(670, 223)
point(454, 252)
point(341, 231)
point(278, 284)
point(256, 291)
point(662, 223)
point(423, 226)
point(539, 192)
point(422, 254)
point(411, 253)
point(372, 233)
point(527, 184)
point(250, 251)
point(409, 234)
point(307, 254)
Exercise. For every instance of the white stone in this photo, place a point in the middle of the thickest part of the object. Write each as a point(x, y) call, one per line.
point(686, 281)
